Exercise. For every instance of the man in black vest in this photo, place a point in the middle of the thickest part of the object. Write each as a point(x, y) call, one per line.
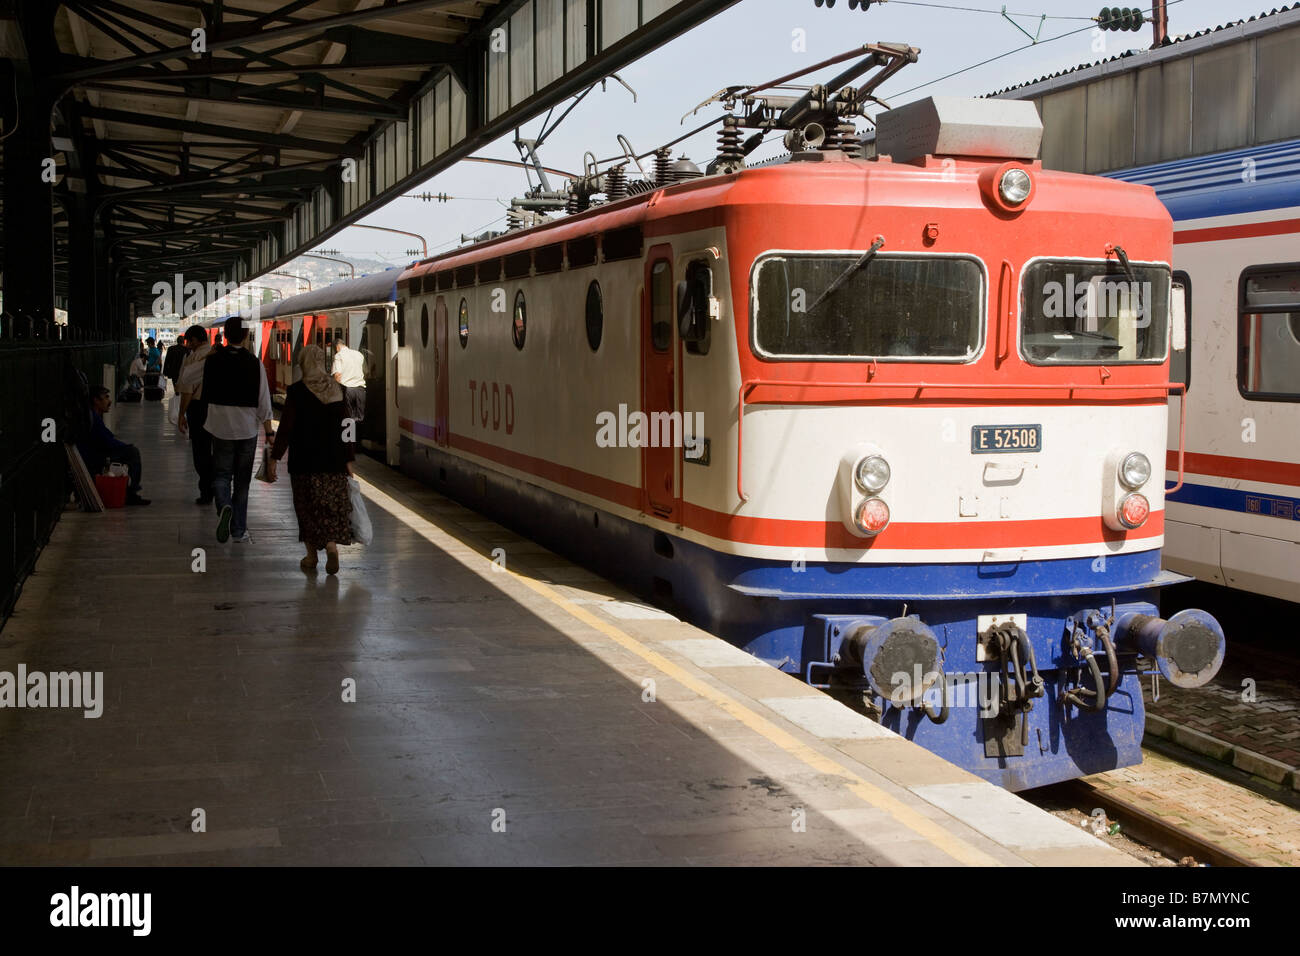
point(239, 402)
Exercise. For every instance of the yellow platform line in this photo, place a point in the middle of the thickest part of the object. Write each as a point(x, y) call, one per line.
point(869, 793)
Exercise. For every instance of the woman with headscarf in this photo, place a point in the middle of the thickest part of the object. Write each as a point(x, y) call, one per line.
point(311, 431)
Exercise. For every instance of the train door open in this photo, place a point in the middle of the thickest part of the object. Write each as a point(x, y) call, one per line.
point(442, 396)
point(356, 323)
point(379, 347)
point(658, 391)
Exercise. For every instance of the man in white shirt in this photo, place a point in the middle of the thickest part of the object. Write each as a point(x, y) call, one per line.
point(349, 371)
point(239, 402)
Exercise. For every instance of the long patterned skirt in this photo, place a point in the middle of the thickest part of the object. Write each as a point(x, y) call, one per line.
point(323, 507)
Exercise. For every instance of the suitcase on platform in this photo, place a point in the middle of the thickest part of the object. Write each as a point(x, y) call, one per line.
point(152, 393)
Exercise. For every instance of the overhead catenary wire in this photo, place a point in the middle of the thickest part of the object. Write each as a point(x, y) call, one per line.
point(474, 231)
point(669, 145)
point(996, 13)
point(1026, 46)
point(445, 197)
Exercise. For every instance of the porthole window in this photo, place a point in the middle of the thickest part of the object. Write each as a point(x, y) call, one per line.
point(424, 326)
point(464, 323)
point(595, 315)
point(519, 328)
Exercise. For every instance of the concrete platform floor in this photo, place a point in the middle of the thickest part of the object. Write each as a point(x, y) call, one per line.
point(527, 715)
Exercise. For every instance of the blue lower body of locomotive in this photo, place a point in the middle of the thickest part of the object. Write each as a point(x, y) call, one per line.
point(786, 615)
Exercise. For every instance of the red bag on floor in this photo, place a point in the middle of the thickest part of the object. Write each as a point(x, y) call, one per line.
point(112, 490)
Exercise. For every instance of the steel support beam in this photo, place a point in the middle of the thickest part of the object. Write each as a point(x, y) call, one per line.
point(227, 36)
point(28, 170)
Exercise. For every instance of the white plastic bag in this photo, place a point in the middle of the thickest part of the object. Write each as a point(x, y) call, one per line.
point(174, 409)
point(362, 531)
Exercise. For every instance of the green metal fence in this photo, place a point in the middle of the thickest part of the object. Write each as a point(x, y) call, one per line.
point(34, 477)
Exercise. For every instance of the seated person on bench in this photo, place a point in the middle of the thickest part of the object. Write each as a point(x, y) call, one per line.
point(100, 447)
point(135, 374)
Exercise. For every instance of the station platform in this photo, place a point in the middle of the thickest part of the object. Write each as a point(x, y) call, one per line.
point(525, 714)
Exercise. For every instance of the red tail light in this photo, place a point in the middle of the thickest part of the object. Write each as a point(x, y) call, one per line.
point(872, 517)
point(1133, 511)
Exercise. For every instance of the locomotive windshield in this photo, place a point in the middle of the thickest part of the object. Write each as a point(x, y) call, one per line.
point(1094, 312)
point(821, 306)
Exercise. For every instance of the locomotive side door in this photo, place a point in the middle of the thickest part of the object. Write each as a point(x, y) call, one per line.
point(442, 399)
point(658, 389)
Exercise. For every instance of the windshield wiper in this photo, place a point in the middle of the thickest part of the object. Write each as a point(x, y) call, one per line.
point(1086, 334)
point(1122, 256)
point(847, 273)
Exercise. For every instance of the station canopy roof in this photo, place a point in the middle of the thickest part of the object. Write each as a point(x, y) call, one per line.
point(213, 135)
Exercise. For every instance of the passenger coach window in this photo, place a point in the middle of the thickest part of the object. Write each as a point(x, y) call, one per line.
point(834, 305)
point(1268, 333)
point(1075, 312)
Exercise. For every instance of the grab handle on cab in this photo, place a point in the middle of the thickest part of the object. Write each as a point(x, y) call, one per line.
point(1005, 316)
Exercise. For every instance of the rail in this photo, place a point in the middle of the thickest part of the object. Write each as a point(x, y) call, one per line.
point(749, 385)
point(1156, 832)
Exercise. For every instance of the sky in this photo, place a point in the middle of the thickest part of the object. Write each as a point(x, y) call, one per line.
point(754, 41)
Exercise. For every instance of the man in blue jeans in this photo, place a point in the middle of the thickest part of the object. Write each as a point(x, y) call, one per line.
point(239, 402)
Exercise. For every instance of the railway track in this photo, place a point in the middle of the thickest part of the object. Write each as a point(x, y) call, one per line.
point(1178, 843)
point(1182, 812)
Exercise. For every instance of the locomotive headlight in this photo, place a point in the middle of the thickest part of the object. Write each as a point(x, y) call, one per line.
point(872, 474)
point(872, 516)
point(1135, 470)
point(1014, 187)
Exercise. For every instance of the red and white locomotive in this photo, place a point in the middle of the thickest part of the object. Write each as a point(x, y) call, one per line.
point(888, 424)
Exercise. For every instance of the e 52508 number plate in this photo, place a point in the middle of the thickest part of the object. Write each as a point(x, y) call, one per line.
point(988, 439)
